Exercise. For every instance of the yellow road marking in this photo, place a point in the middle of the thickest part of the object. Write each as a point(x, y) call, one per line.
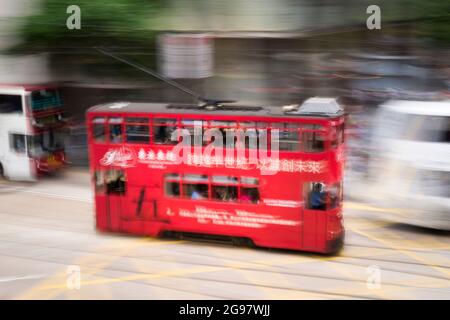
point(85, 260)
point(401, 250)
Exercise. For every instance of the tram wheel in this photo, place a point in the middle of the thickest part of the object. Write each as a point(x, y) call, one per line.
point(242, 242)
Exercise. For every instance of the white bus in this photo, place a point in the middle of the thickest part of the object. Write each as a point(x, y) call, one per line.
point(31, 131)
point(410, 162)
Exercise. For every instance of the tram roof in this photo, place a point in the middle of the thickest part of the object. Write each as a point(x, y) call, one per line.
point(313, 107)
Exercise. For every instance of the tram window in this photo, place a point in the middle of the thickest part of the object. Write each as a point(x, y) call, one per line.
point(227, 190)
point(285, 126)
point(195, 178)
point(224, 179)
point(99, 180)
point(172, 188)
point(172, 184)
point(228, 133)
point(335, 192)
point(287, 140)
point(195, 191)
point(230, 137)
point(98, 129)
point(194, 127)
point(17, 142)
point(115, 182)
point(136, 120)
point(224, 193)
point(192, 122)
point(115, 130)
point(313, 141)
point(262, 135)
point(312, 126)
point(137, 133)
point(337, 135)
point(173, 176)
point(249, 195)
point(247, 124)
point(249, 180)
point(223, 124)
point(195, 186)
point(251, 139)
point(341, 135)
point(163, 129)
point(315, 195)
point(288, 136)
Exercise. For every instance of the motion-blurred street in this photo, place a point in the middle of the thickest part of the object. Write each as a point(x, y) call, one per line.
point(49, 226)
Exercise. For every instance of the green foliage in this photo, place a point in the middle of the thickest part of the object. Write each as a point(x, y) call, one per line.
point(123, 25)
point(103, 23)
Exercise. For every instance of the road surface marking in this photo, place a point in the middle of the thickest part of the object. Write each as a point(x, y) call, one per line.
point(85, 260)
point(401, 250)
point(18, 278)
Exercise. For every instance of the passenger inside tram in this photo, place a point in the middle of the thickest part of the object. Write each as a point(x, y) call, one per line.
point(115, 133)
point(249, 195)
point(197, 191)
point(115, 182)
point(317, 197)
point(225, 193)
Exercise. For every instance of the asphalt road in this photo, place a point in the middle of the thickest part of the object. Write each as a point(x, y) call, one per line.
point(48, 243)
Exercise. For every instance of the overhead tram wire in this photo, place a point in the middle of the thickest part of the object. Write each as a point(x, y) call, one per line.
point(203, 102)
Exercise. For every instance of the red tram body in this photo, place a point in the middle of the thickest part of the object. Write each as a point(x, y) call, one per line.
point(143, 187)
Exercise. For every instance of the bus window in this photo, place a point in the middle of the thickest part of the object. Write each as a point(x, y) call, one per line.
point(115, 182)
point(98, 129)
point(137, 130)
point(172, 185)
point(163, 129)
point(249, 195)
point(10, 103)
point(313, 141)
point(195, 186)
point(99, 180)
point(17, 142)
point(45, 99)
point(115, 130)
point(224, 188)
point(314, 195)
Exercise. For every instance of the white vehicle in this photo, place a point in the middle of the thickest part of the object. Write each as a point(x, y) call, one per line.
point(410, 162)
point(31, 131)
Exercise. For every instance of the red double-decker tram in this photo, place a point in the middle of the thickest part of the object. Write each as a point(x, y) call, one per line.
point(287, 196)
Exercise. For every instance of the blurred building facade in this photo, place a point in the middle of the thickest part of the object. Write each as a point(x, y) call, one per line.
point(22, 68)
